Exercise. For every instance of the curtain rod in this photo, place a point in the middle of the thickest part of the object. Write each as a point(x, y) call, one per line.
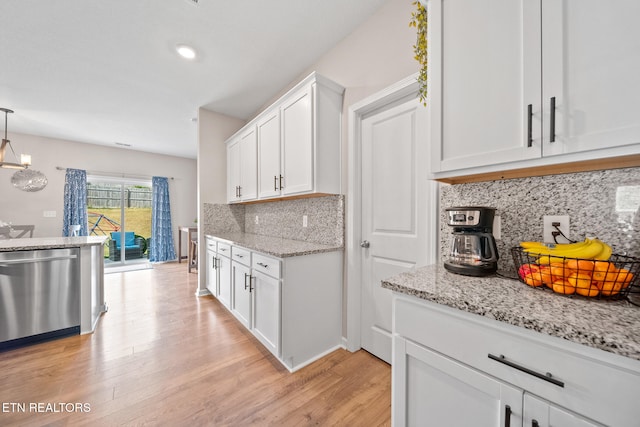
point(112, 174)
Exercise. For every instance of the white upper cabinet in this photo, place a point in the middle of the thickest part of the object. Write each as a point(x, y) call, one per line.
point(270, 178)
point(505, 72)
point(591, 66)
point(298, 143)
point(489, 52)
point(242, 167)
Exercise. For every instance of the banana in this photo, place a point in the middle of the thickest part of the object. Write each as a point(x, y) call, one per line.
point(556, 249)
point(587, 249)
point(605, 254)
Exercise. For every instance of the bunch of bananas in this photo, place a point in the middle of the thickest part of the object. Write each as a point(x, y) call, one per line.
point(587, 249)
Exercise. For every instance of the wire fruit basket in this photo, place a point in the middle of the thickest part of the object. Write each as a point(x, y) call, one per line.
point(614, 278)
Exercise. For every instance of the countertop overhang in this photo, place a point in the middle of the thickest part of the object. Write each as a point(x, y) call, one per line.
point(35, 243)
point(275, 246)
point(609, 325)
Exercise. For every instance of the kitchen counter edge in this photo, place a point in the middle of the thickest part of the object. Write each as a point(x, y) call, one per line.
point(612, 326)
point(274, 246)
point(36, 243)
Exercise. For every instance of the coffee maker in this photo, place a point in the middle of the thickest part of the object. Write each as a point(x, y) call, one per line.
point(473, 249)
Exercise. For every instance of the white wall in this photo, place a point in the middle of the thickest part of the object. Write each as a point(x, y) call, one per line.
point(21, 207)
point(213, 131)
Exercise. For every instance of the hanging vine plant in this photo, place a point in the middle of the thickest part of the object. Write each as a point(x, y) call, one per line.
point(419, 22)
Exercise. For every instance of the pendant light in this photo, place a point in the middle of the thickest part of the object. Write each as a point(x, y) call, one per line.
point(25, 160)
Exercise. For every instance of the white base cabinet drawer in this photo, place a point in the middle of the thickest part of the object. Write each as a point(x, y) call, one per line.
point(589, 382)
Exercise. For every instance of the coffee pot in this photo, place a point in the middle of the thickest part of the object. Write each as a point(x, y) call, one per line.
point(473, 247)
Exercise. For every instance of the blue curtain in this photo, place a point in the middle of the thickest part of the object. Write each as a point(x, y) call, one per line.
point(75, 202)
point(161, 247)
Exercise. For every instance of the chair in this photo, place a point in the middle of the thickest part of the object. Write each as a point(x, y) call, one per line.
point(134, 245)
point(193, 254)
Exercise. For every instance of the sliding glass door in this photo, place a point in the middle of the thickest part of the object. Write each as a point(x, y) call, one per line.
point(121, 210)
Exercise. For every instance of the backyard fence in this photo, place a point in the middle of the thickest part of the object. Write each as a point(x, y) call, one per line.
point(105, 196)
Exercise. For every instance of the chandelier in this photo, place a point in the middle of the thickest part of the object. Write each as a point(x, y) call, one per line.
point(25, 159)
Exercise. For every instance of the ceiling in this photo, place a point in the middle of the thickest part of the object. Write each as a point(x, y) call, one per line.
point(107, 72)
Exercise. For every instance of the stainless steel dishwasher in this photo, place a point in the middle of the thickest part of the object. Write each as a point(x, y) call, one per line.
point(39, 295)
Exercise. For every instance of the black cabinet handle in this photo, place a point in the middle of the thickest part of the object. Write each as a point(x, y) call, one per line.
point(275, 183)
point(213, 261)
point(281, 177)
point(552, 121)
point(245, 280)
point(529, 125)
point(507, 416)
point(534, 423)
point(263, 265)
point(250, 279)
point(547, 377)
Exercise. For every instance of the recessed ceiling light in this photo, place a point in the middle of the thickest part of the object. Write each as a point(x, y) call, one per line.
point(185, 51)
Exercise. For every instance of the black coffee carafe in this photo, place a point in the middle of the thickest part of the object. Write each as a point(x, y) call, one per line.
point(473, 248)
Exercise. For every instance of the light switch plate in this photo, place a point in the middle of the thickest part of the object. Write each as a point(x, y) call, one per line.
point(49, 214)
point(304, 220)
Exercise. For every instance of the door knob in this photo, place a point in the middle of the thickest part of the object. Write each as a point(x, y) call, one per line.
point(365, 244)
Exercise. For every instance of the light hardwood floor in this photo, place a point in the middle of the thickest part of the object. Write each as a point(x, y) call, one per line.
point(162, 356)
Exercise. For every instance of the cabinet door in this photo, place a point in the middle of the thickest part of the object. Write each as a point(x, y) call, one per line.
point(242, 287)
point(266, 315)
point(224, 278)
point(297, 143)
point(233, 171)
point(433, 390)
point(268, 130)
point(487, 73)
point(539, 413)
point(212, 273)
point(591, 69)
point(248, 165)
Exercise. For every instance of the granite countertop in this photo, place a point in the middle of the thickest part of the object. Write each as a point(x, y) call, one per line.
point(609, 325)
point(275, 246)
point(32, 243)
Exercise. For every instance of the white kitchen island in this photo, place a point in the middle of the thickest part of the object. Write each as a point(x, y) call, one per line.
point(22, 277)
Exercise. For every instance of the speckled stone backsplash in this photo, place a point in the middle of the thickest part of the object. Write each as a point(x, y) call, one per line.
point(603, 204)
point(325, 219)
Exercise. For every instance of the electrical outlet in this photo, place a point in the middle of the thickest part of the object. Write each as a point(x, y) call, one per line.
point(49, 214)
point(548, 228)
point(304, 220)
point(257, 220)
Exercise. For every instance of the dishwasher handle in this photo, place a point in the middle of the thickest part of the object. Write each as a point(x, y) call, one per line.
point(6, 263)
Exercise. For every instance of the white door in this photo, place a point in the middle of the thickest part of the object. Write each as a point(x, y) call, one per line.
point(266, 311)
point(233, 171)
point(269, 155)
point(394, 165)
point(538, 412)
point(249, 165)
point(488, 74)
point(439, 391)
point(242, 286)
point(593, 80)
point(297, 143)
point(224, 284)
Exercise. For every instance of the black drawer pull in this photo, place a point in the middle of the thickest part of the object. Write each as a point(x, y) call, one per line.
point(547, 377)
point(552, 121)
point(534, 423)
point(507, 416)
point(529, 125)
point(263, 265)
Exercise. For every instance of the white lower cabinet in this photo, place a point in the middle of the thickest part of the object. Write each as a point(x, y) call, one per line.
point(539, 413)
point(292, 305)
point(266, 311)
point(211, 265)
point(224, 275)
point(242, 287)
point(453, 368)
point(439, 391)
